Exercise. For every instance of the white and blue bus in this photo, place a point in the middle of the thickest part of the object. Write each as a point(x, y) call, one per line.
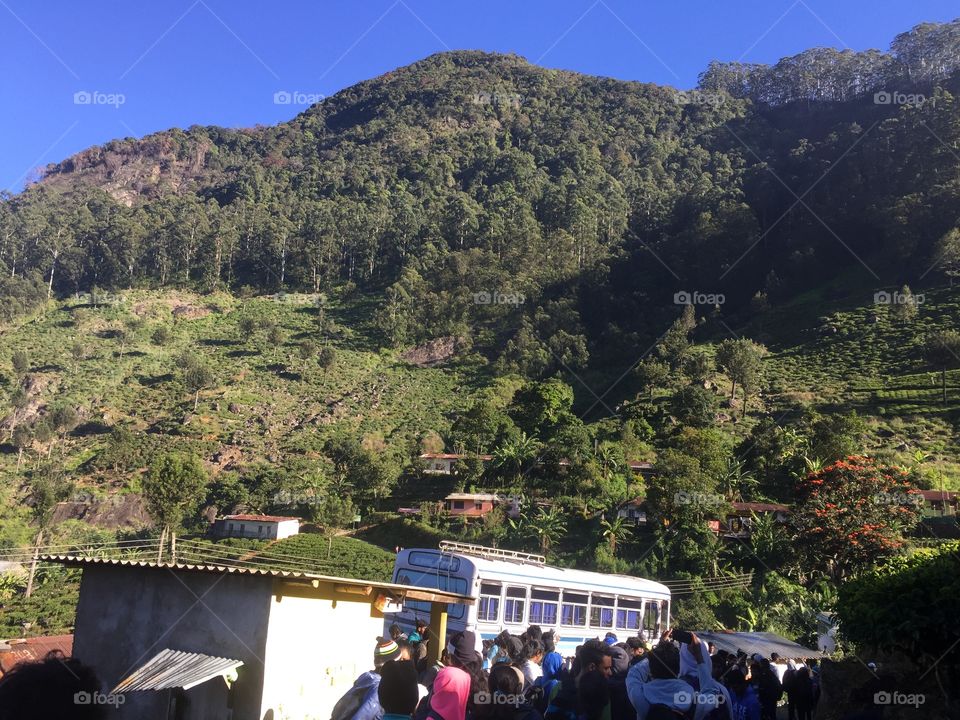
point(513, 590)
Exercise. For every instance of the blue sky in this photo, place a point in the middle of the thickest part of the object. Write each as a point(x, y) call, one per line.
point(148, 66)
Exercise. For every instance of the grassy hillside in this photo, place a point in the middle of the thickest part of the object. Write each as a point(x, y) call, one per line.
point(265, 405)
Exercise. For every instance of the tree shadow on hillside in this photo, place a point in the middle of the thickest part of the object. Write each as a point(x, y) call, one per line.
point(219, 342)
point(242, 353)
point(91, 428)
point(148, 381)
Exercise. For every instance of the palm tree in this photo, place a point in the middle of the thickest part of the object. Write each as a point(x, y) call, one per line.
point(515, 454)
point(546, 526)
point(607, 457)
point(614, 532)
point(736, 479)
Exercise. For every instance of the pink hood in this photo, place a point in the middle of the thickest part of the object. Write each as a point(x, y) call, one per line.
point(451, 690)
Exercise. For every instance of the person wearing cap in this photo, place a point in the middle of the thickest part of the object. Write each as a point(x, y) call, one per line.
point(636, 648)
point(610, 638)
point(420, 634)
point(361, 702)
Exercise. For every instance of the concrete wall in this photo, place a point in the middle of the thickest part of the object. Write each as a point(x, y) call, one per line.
point(126, 615)
point(319, 642)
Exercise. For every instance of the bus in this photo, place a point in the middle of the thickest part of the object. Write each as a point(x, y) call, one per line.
point(512, 590)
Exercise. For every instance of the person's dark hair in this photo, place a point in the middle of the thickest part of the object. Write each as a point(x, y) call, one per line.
point(534, 633)
point(549, 640)
point(592, 653)
point(634, 643)
point(504, 679)
point(593, 694)
point(735, 679)
point(665, 661)
point(532, 648)
point(395, 630)
point(514, 648)
point(398, 692)
point(54, 687)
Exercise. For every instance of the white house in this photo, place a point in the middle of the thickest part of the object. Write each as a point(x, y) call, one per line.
point(445, 463)
point(261, 527)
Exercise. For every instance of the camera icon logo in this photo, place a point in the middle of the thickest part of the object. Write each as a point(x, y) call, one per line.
point(82, 97)
point(282, 97)
point(881, 297)
point(682, 698)
point(482, 298)
point(82, 698)
point(682, 298)
point(882, 98)
point(481, 698)
point(882, 698)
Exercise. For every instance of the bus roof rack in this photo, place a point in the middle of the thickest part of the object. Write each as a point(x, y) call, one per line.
point(491, 553)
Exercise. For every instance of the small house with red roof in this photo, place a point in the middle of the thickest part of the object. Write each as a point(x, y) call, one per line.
point(259, 527)
point(940, 503)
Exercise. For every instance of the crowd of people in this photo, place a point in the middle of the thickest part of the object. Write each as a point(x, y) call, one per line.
point(525, 678)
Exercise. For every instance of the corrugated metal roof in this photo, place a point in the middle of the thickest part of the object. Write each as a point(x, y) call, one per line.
point(393, 589)
point(175, 669)
point(764, 643)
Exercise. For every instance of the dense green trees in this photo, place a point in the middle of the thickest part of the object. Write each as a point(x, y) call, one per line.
point(171, 488)
point(541, 233)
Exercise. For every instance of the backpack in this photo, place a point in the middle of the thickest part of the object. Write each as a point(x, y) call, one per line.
point(348, 705)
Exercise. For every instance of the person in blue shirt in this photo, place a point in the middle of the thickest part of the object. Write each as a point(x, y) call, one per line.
point(744, 703)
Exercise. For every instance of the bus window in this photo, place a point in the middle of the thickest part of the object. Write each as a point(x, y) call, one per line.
point(513, 606)
point(488, 606)
point(601, 611)
point(629, 613)
point(573, 611)
point(543, 606)
point(651, 618)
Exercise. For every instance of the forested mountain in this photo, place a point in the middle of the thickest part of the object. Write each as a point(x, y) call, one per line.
point(544, 216)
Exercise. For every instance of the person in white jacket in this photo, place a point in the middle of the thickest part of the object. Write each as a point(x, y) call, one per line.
point(658, 681)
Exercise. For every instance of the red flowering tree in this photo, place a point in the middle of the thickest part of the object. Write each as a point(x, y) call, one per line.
point(852, 514)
